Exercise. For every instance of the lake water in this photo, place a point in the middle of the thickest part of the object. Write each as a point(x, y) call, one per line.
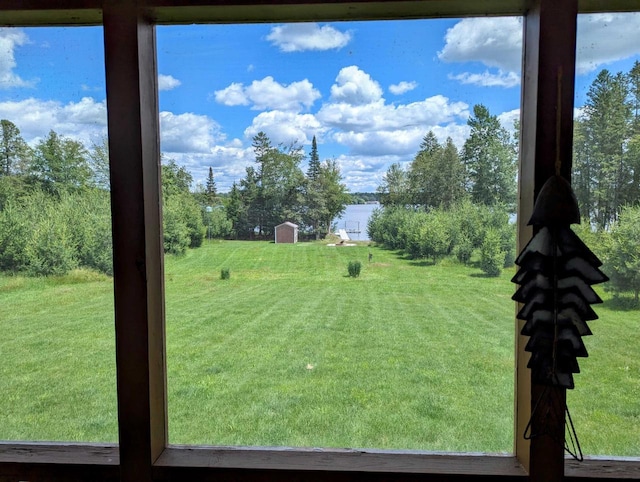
point(355, 219)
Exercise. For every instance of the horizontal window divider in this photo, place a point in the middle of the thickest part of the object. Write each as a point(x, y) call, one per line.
point(340, 460)
point(610, 468)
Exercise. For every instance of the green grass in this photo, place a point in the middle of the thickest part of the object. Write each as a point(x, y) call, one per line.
point(292, 351)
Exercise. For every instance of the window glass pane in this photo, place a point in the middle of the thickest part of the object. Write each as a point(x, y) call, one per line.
point(57, 376)
point(416, 352)
point(606, 180)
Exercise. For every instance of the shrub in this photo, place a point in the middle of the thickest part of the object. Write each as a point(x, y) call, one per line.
point(491, 255)
point(225, 273)
point(354, 268)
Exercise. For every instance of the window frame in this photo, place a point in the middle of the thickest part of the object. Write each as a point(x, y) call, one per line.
point(143, 452)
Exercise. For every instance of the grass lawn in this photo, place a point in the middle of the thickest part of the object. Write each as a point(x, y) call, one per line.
point(291, 351)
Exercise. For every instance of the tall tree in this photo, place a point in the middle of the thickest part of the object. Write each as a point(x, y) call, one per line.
point(14, 151)
point(489, 159)
point(313, 170)
point(99, 163)
point(436, 174)
point(334, 192)
point(60, 164)
point(394, 189)
point(602, 168)
point(210, 189)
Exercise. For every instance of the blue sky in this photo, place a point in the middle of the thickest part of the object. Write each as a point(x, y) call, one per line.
point(369, 91)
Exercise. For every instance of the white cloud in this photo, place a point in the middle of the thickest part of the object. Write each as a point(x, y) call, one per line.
point(85, 121)
point(380, 116)
point(356, 87)
point(508, 119)
point(268, 94)
point(402, 87)
point(299, 37)
point(188, 132)
point(10, 38)
point(167, 82)
point(604, 38)
point(234, 94)
point(286, 127)
point(497, 42)
point(487, 79)
point(493, 41)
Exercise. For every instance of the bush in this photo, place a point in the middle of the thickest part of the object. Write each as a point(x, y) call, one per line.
point(354, 268)
point(492, 257)
point(225, 273)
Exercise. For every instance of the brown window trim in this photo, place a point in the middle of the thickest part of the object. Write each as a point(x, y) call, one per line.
point(143, 453)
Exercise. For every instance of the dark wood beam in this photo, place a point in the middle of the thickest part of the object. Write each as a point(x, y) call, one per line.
point(547, 138)
point(134, 154)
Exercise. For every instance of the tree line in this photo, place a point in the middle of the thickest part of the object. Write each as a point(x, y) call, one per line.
point(459, 202)
point(55, 205)
point(451, 202)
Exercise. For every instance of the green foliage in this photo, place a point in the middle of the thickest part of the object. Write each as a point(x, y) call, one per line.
point(436, 175)
point(394, 190)
point(217, 223)
point(490, 159)
point(175, 230)
point(491, 254)
point(50, 250)
point(623, 258)
point(61, 165)
point(354, 268)
point(225, 273)
point(436, 233)
point(606, 164)
point(15, 229)
point(42, 234)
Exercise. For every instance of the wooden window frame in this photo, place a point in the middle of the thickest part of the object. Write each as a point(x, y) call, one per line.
point(143, 453)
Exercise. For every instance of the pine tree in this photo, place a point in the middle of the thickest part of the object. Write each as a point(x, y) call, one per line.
point(490, 160)
point(210, 189)
point(313, 170)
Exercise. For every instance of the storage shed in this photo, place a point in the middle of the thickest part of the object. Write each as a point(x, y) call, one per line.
point(286, 233)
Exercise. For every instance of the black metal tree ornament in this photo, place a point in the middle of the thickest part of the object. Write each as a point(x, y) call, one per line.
point(556, 273)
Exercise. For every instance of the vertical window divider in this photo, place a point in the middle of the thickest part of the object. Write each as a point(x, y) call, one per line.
point(134, 152)
point(548, 86)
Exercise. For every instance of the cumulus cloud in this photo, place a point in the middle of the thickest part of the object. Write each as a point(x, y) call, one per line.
point(493, 41)
point(188, 132)
point(299, 37)
point(380, 116)
point(167, 82)
point(487, 79)
point(268, 94)
point(286, 127)
point(402, 87)
point(10, 38)
point(356, 87)
point(85, 120)
point(497, 42)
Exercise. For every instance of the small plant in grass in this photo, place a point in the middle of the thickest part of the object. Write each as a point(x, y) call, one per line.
point(225, 273)
point(354, 268)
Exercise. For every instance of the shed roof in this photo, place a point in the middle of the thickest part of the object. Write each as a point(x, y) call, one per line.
point(287, 223)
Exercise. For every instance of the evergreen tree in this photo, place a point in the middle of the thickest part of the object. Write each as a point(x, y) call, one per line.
point(490, 161)
point(210, 189)
point(60, 164)
point(603, 171)
point(313, 170)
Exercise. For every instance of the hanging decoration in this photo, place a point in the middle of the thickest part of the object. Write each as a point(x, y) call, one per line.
point(555, 277)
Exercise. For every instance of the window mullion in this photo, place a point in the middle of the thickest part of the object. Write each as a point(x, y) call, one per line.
point(132, 102)
point(547, 134)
